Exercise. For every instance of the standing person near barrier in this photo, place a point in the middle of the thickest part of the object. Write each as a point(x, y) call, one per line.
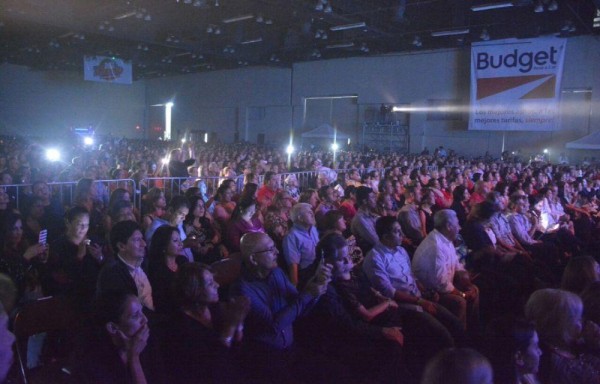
point(178, 167)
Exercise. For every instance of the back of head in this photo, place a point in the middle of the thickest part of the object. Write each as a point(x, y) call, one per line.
point(362, 194)
point(189, 284)
point(178, 202)
point(579, 273)
point(251, 242)
point(383, 225)
point(329, 246)
point(458, 366)
point(553, 311)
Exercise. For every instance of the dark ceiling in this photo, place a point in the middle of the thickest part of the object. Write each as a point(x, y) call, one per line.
point(168, 37)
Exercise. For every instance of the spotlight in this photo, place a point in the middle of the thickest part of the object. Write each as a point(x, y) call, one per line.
point(53, 154)
point(165, 160)
point(335, 146)
point(546, 150)
point(290, 149)
point(88, 141)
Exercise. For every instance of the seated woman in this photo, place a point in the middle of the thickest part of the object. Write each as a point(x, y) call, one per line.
point(203, 330)
point(154, 206)
point(350, 320)
point(165, 258)
point(557, 316)
point(179, 207)
point(33, 213)
point(116, 349)
point(199, 224)
point(512, 346)
point(75, 260)
point(243, 221)
point(225, 205)
point(334, 223)
point(22, 262)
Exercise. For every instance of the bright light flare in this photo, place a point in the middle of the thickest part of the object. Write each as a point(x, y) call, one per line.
point(88, 141)
point(165, 160)
point(335, 146)
point(206, 137)
point(546, 150)
point(53, 154)
point(290, 149)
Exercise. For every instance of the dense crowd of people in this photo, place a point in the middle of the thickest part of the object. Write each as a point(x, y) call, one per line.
point(255, 266)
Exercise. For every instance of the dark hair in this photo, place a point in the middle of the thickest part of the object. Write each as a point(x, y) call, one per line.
point(323, 191)
point(349, 190)
point(9, 219)
point(178, 202)
point(75, 212)
point(116, 208)
point(306, 195)
point(82, 188)
point(578, 274)
point(362, 194)
point(189, 283)
point(268, 176)
point(193, 202)
point(383, 225)
point(459, 193)
point(331, 218)
point(26, 208)
point(249, 191)
point(191, 192)
point(591, 302)
point(121, 232)
point(329, 245)
point(506, 336)
point(241, 206)
point(159, 243)
point(116, 195)
point(110, 306)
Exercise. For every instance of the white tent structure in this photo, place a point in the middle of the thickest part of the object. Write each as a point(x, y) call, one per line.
point(591, 141)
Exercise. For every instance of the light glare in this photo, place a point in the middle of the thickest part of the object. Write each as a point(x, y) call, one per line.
point(88, 141)
point(53, 154)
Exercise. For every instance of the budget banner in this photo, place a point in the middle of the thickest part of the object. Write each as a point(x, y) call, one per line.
point(107, 70)
point(515, 84)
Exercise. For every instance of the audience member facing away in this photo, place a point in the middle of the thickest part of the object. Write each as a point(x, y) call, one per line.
point(458, 366)
point(557, 316)
point(580, 273)
point(436, 266)
point(512, 345)
point(299, 245)
point(125, 273)
point(275, 304)
point(203, 329)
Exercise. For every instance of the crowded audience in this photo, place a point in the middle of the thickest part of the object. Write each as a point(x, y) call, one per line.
point(216, 263)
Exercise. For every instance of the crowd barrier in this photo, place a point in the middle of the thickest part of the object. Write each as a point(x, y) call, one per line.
point(65, 191)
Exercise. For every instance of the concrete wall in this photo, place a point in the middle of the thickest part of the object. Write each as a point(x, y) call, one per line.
point(270, 101)
point(49, 103)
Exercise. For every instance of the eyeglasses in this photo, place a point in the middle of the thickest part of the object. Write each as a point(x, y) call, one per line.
point(273, 249)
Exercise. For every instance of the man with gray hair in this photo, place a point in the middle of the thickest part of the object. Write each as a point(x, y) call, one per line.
point(300, 243)
point(436, 266)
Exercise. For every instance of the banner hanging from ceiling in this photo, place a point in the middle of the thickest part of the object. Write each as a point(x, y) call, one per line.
point(515, 84)
point(107, 70)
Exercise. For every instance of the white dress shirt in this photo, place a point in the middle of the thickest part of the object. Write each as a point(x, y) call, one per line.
point(435, 262)
point(142, 283)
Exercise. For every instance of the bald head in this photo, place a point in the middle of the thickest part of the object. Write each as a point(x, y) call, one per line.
point(253, 242)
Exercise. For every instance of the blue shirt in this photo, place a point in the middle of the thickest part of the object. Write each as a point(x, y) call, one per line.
point(274, 306)
point(299, 246)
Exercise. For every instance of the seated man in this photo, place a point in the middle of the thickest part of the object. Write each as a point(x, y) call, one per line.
point(436, 266)
point(275, 306)
point(409, 216)
point(299, 244)
point(125, 273)
point(363, 223)
point(388, 268)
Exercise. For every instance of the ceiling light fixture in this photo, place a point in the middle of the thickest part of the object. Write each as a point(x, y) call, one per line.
point(453, 32)
point(417, 42)
point(238, 18)
point(125, 15)
point(344, 27)
point(553, 6)
point(487, 7)
point(539, 8)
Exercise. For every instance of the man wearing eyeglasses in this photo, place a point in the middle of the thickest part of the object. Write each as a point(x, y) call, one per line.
point(275, 306)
